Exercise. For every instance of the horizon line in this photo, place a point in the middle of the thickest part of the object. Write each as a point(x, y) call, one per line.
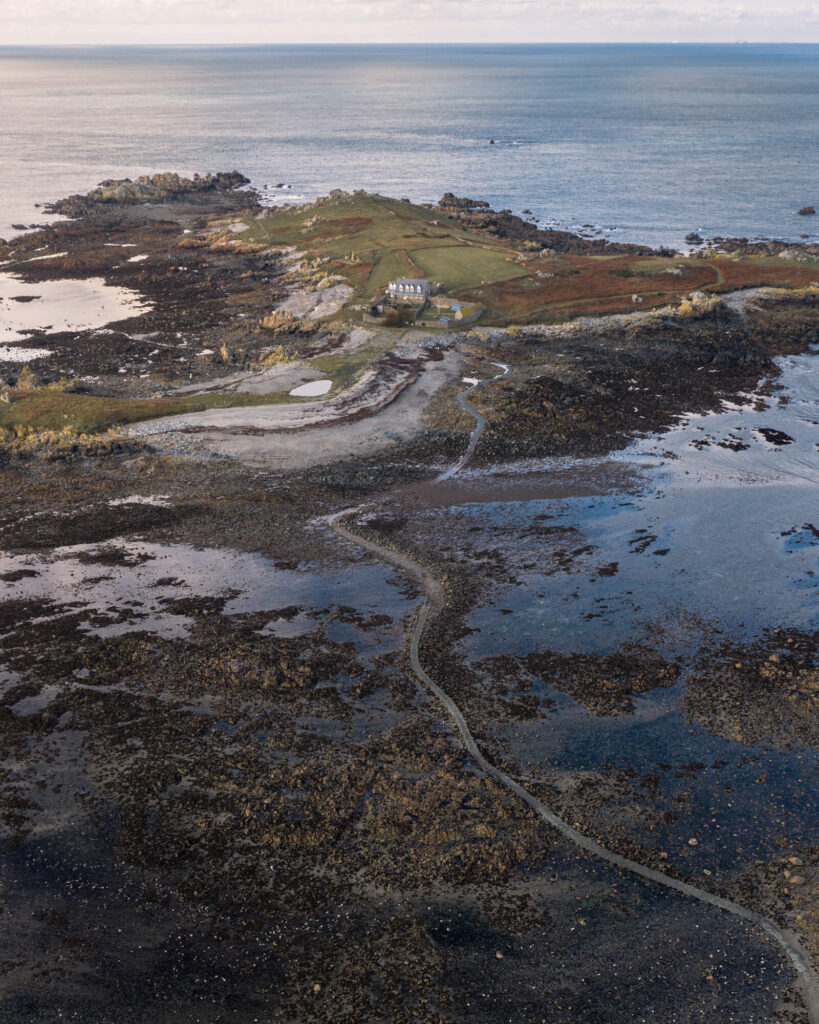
point(417, 44)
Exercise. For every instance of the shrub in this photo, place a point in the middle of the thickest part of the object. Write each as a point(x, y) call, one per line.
point(27, 379)
point(398, 317)
point(279, 322)
point(699, 305)
point(276, 356)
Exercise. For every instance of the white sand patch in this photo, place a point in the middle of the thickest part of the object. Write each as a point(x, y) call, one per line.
point(160, 500)
point(21, 355)
point(273, 380)
point(382, 407)
point(318, 304)
point(64, 305)
point(312, 388)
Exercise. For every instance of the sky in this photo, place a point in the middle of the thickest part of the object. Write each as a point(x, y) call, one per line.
point(44, 22)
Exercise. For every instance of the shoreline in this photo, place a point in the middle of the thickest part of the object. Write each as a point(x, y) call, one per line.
point(292, 192)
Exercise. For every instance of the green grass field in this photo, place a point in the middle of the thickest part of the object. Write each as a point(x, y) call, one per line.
point(467, 266)
point(385, 269)
point(346, 368)
point(390, 239)
point(90, 414)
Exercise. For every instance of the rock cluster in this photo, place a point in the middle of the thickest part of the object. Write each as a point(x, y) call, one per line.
point(148, 189)
point(478, 215)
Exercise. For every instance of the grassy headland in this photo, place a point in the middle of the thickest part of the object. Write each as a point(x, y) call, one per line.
point(370, 239)
point(256, 286)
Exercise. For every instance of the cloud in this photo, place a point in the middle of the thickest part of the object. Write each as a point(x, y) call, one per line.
point(401, 20)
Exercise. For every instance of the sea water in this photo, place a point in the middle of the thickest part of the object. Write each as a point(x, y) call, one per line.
point(644, 143)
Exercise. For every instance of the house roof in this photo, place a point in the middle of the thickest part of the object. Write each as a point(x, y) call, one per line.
point(403, 282)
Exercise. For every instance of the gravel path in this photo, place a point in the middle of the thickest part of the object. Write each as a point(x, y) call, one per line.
point(480, 424)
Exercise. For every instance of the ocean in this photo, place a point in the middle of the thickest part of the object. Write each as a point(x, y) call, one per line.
point(643, 143)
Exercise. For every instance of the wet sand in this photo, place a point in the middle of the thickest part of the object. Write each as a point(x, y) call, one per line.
point(51, 307)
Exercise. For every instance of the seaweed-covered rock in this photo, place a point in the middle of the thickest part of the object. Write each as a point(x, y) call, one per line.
point(765, 692)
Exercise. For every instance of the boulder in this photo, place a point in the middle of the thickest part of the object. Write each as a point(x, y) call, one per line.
point(795, 255)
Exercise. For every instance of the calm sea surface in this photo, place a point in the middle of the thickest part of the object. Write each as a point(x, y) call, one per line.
point(644, 142)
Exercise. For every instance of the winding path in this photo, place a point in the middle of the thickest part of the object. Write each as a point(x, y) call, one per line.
point(480, 423)
point(433, 602)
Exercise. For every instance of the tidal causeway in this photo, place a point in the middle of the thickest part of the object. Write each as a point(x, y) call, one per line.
point(408, 614)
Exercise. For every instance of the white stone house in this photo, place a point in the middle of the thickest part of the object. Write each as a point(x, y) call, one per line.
point(407, 289)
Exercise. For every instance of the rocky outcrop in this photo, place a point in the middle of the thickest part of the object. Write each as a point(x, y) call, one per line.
point(761, 247)
point(477, 215)
point(449, 202)
point(807, 211)
point(148, 189)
